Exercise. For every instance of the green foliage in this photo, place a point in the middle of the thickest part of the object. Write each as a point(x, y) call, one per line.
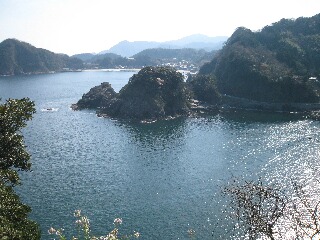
point(14, 224)
point(158, 56)
point(205, 89)
point(19, 58)
point(94, 58)
point(163, 82)
point(13, 156)
point(148, 57)
point(272, 65)
point(154, 92)
point(244, 36)
point(98, 97)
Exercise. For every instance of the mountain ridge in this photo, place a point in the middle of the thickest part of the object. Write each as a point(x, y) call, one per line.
point(198, 41)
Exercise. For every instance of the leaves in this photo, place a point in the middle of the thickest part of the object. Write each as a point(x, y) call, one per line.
point(13, 217)
point(154, 92)
point(20, 57)
point(205, 89)
point(258, 65)
point(13, 117)
point(13, 156)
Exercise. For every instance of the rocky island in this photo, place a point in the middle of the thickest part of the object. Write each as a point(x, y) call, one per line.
point(274, 69)
point(98, 97)
point(152, 93)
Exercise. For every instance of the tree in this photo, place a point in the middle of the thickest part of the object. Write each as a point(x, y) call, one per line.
point(257, 208)
point(13, 157)
point(253, 65)
point(205, 89)
point(266, 211)
point(13, 154)
point(152, 93)
point(14, 224)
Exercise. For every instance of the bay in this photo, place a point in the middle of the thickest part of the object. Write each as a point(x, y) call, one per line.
point(162, 178)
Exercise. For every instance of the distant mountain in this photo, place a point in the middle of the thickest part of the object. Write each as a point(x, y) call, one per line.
point(92, 58)
point(84, 56)
point(175, 57)
point(128, 49)
point(198, 41)
point(186, 58)
point(18, 57)
point(280, 63)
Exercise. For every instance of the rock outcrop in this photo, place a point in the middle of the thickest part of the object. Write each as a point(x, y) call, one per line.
point(98, 97)
point(152, 93)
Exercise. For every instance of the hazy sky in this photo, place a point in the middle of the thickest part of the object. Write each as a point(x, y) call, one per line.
point(77, 26)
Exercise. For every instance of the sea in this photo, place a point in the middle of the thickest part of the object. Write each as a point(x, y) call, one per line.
point(165, 179)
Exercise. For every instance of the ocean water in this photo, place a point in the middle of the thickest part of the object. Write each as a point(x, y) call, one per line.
point(162, 178)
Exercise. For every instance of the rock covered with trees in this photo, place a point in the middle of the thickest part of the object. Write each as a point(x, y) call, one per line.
point(155, 92)
point(98, 97)
point(275, 69)
point(280, 63)
point(152, 93)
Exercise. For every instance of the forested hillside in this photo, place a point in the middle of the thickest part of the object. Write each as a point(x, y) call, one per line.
point(18, 57)
point(186, 58)
point(161, 56)
point(280, 63)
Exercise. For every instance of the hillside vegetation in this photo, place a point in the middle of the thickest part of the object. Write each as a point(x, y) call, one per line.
point(18, 57)
point(280, 63)
point(152, 93)
point(193, 58)
point(186, 58)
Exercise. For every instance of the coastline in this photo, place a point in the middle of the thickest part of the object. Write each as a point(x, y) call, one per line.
point(231, 102)
point(184, 72)
point(76, 70)
point(112, 70)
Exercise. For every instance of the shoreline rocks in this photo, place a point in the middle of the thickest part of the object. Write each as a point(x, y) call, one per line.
point(98, 97)
point(152, 93)
point(156, 93)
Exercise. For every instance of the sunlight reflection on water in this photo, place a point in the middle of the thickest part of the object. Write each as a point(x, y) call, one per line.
point(162, 178)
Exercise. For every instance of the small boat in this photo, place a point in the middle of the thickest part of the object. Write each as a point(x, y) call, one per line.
point(49, 109)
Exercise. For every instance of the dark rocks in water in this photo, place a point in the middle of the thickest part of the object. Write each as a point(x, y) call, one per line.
point(152, 93)
point(98, 97)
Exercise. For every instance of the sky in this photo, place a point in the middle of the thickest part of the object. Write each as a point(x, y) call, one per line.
point(91, 26)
